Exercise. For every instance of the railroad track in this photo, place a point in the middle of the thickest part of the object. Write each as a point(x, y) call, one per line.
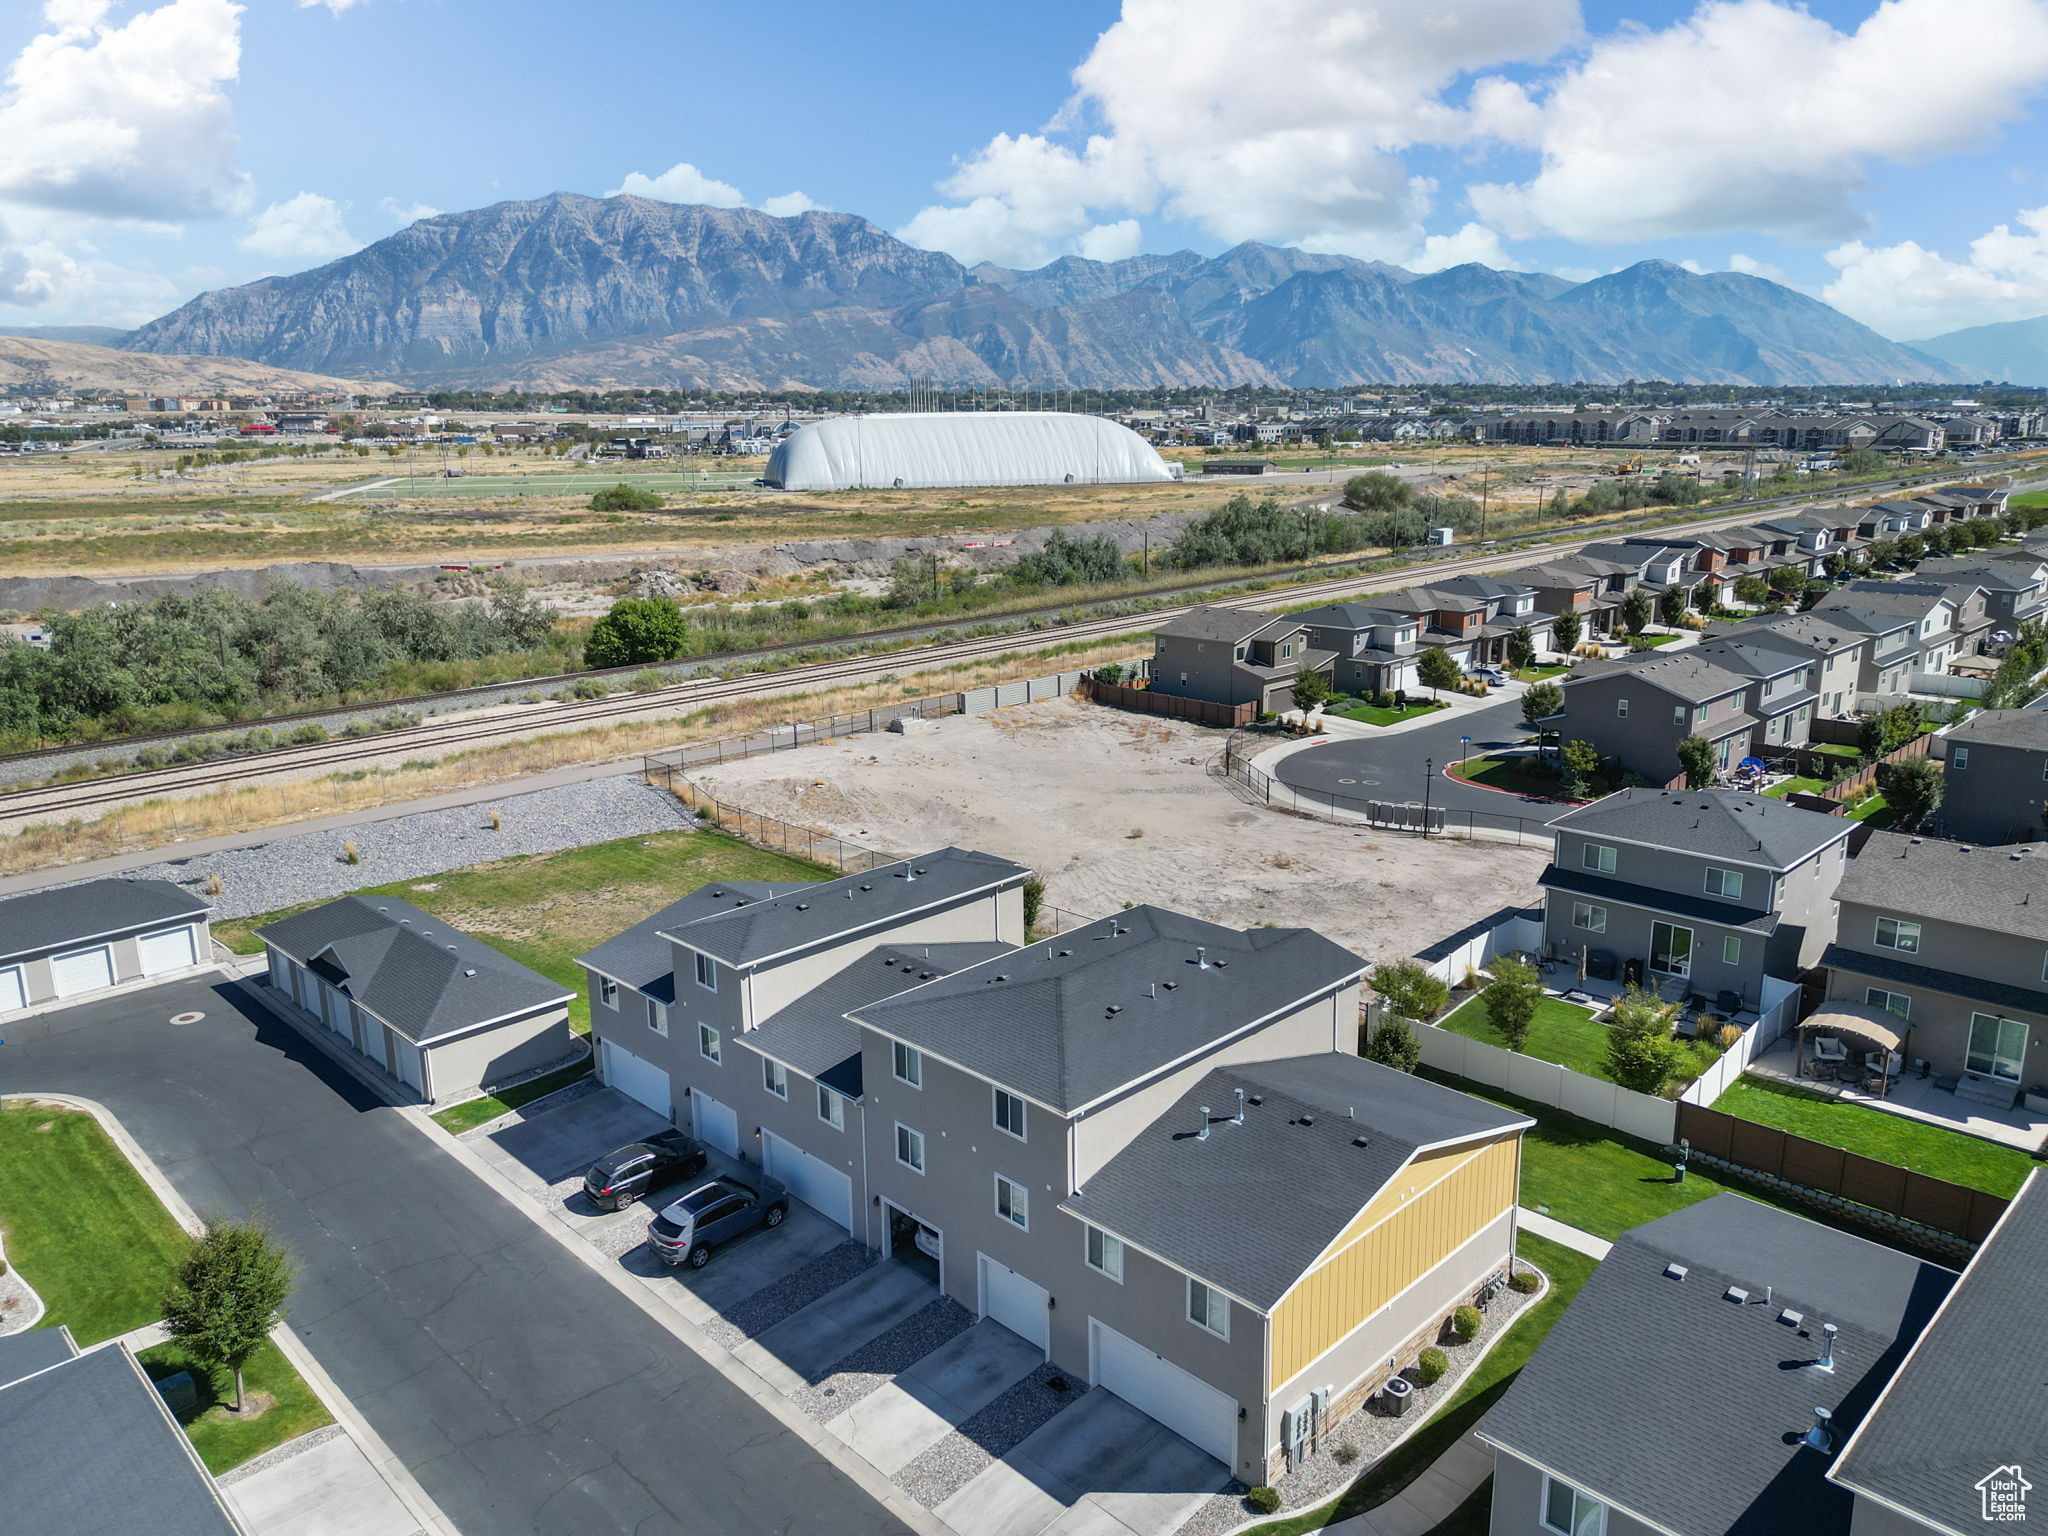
point(61, 801)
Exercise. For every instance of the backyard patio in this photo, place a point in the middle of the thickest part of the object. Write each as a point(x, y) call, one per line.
point(1792, 1060)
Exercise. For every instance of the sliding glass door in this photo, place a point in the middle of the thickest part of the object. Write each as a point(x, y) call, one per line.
point(1670, 949)
point(1997, 1046)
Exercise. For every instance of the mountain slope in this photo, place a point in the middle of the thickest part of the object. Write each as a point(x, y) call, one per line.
point(77, 365)
point(567, 290)
point(91, 335)
point(2015, 352)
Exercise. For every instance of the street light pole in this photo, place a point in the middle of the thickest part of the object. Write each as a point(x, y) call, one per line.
point(1428, 782)
point(1465, 744)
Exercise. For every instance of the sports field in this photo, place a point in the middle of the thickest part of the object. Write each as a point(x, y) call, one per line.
point(672, 482)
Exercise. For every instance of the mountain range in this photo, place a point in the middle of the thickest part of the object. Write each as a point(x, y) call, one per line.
point(60, 365)
point(570, 291)
point(2012, 352)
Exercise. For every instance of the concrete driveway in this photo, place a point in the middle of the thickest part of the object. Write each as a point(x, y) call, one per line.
point(566, 1139)
point(907, 1416)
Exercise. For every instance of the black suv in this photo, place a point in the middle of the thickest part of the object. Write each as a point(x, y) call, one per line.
point(619, 1178)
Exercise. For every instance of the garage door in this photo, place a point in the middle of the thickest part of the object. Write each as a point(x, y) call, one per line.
point(171, 950)
point(637, 1079)
point(12, 994)
point(83, 970)
point(1018, 1304)
point(811, 1179)
point(1185, 1404)
point(717, 1125)
point(406, 1062)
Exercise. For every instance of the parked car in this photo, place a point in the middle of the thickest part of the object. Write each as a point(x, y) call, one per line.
point(619, 1178)
point(717, 1212)
point(1493, 677)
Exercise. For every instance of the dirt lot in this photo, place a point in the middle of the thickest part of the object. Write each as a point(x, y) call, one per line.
point(1113, 808)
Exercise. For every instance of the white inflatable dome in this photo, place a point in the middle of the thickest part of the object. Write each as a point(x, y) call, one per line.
point(959, 448)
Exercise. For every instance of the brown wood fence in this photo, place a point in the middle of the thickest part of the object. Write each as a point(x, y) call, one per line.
point(1952, 1208)
point(1145, 701)
point(1919, 746)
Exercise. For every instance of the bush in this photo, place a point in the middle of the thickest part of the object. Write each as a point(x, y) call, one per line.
point(1432, 1365)
point(1410, 990)
point(1525, 1282)
point(588, 688)
point(648, 681)
point(1466, 1323)
point(1034, 901)
point(624, 498)
point(1394, 1045)
point(637, 630)
point(1263, 1499)
point(308, 735)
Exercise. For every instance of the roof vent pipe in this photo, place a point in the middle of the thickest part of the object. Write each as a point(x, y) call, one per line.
point(1818, 1437)
point(1827, 1346)
point(1201, 957)
point(1238, 1118)
point(1203, 1133)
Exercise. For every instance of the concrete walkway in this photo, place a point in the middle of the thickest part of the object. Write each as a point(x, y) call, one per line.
point(1558, 1232)
point(1430, 1500)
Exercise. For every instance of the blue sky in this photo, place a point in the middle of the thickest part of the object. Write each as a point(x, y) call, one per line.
point(1884, 156)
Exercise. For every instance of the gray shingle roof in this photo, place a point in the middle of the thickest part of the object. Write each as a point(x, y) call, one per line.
point(1167, 1190)
point(813, 1035)
point(1580, 882)
point(1758, 655)
point(641, 958)
point(88, 1449)
point(833, 911)
point(2003, 728)
point(23, 1354)
point(2003, 890)
point(1678, 1405)
point(1810, 630)
point(1684, 676)
point(48, 920)
point(1716, 823)
point(1220, 621)
point(1888, 597)
point(423, 977)
point(1973, 1395)
point(1351, 616)
point(1070, 1019)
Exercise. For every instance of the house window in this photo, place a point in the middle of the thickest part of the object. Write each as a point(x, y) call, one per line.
point(1010, 1114)
point(707, 973)
point(608, 991)
point(907, 1061)
point(1731, 950)
point(1895, 933)
point(1678, 714)
point(1105, 1254)
point(1598, 857)
point(1013, 1203)
point(1287, 650)
point(1589, 917)
point(2044, 770)
point(1958, 759)
point(775, 1078)
point(657, 1017)
point(1725, 883)
point(1621, 709)
point(1242, 651)
point(707, 1043)
point(1209, 1309)
point(1570, 1512)
point(1890, 1002)
point(831, 1108)
point(1998, 1046)
point(1670, 949)
point(910, 1148)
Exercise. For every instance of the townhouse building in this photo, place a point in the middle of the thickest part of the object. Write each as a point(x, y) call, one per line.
point(1890, 650)
point(1995, 777)
point(1950, 617)
point(1784, 684)
point(2014, 584)
point(1835, 652)
point(1373, 650)
point(1636, 711)
point(1233, 655)
point(1708, 891)
point(1586, 585)
point(1953, 939)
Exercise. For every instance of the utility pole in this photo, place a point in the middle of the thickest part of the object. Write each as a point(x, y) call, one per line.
point(1485, 479)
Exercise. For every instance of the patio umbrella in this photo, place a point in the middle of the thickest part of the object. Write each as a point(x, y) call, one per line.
point(1884, 1029)
point(1754, 764)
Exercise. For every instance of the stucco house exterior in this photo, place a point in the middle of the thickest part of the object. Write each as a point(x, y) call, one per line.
point(1995, 777)
point(1637, 710)
point(1232, 655)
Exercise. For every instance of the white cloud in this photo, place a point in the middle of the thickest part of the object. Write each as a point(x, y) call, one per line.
point(306, 227)
point(406, 213)
point(128, 121)
point(1911, 293)
point(1112, 242)
point(1749, 265)
point(1758, 115)
point(43, 279)
point(336, 6)
point(1256, 119)
point(789, 205)
point(680, 183)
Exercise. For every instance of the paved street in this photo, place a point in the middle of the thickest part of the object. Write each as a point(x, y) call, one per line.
point(524, 1393)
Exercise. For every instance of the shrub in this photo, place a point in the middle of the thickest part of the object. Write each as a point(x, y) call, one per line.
point(1466, 1323)
point(588, 688)
point(350, 854)
point(1034, 901)
point(1345, 1454)
point(1642, 1053)
point(1726, 1036)
point(150, 757)
point(1525, 1282)
point(308, 735)
point(624, 498)
point(1431, 1365)
point(1264, 1499)
point(1511, 1000)
point(1394, 1045)
point(648, 680)
point(1410, 990)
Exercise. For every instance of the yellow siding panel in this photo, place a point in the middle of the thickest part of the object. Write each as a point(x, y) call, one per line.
point(1405, 1185)
point(1359, 1279)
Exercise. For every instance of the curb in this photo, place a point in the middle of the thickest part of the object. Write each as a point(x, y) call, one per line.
point(382, 1459)
point(36, 1309)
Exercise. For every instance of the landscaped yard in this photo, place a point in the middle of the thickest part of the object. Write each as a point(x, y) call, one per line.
point(1568, 1270)
point(544, 910)
point(1795, 786)
point(1537, 674)
point(1872, 808)
point(1835, 749)
point(1657, 639)
point(1561, 1032)
point(99, 1247)
point(471, 1113)
point(1375, 714)
point(1518, 775)
point(1930, 1149)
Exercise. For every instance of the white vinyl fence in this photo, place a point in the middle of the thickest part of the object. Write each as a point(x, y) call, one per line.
point(1545, 1082)
point(1781, 1008)
point(1521, 934)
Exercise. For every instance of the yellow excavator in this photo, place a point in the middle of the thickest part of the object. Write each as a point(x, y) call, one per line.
point(1630, 466)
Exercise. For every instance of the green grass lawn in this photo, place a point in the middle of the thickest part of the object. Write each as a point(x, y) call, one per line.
point(1568, 1270)
point(475, 1112)
point(1795, 786)
point(1658, 639)
point(545, 909)
point(1518, 775)
point(1561, 1032)
point(1930, 1149)
point(1537, 674)
point(1835, 749)
point(1872, 808)
point(1373, 714)
point(99, 1247)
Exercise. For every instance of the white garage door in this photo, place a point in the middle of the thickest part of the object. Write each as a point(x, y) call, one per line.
point(637, 1079)
point(171, 950)
point(1018, 1304)
point(811, 1179)
point(83, 970)
point(717, 1125)
point(1153, 1385)
point(12, 994)
point(407, 1062)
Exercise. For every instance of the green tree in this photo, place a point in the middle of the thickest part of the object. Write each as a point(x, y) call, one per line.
point(1566, 630)
point(1394, 1045)
point(1911, 788)
point(228, 1292)
point(1408, 988)
point(1753, 590)
point(1643, 1054)
point(1884, 733)
point(1696, 757)
point(1437, 670)
point(1310, 689)
point(1863, 461)
point(1912, 549)
point(1581, 770)
point(1706, 594)
point(624, 498)
point(1377, 491)
point(1521, 648)
point(1540, 702)
point(637, 630)
point(1034, 901)
point(1510, 1000)
point(1671, 605)
point(1637, 609)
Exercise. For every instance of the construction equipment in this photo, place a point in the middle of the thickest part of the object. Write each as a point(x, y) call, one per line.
point(1629, 466)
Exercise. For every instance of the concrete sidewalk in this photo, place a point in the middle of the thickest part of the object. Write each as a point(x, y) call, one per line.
point(1430, 1500)
point(1558, 1232)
